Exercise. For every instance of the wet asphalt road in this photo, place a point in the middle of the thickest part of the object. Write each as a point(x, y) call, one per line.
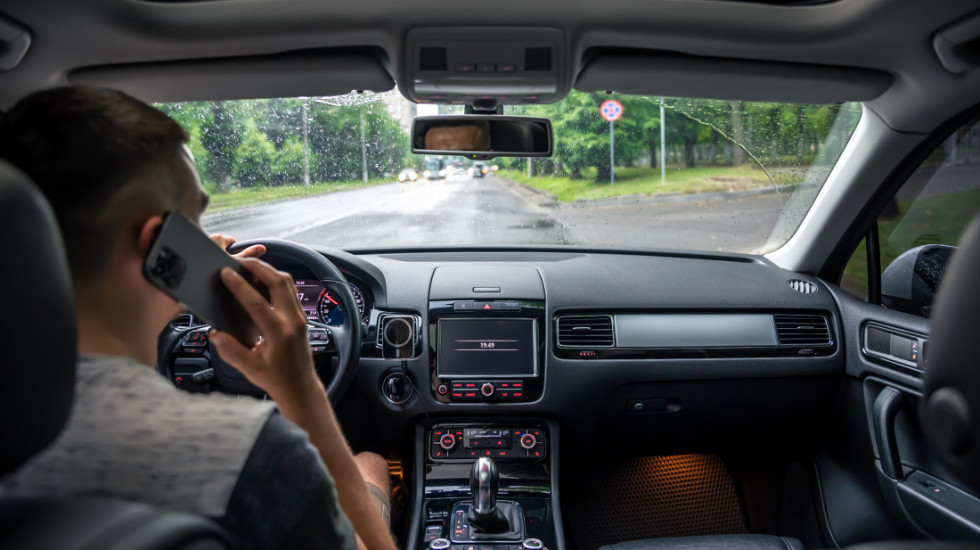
point(493, 211)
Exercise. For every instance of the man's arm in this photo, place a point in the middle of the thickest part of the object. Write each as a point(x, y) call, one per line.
point(284, 497)
point(281, 364)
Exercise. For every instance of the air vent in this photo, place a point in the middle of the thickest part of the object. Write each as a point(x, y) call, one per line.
point(585, 331)
point(802, 330)
point(805, 287)
point(184, 321)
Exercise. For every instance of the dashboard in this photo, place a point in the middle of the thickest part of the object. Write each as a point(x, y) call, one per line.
point(634, 352)
point(644, 352)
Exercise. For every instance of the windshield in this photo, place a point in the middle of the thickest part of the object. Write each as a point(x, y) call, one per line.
point(668, 173)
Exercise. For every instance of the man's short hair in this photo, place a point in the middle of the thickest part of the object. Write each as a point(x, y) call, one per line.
point(98, 156)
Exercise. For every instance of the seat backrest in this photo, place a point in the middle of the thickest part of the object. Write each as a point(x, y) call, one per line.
point(37, 334)
point(38, 343)
point(950, 413)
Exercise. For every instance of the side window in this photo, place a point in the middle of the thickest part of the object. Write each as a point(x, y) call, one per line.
point(932, 208)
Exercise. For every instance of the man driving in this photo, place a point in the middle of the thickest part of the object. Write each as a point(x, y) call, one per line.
point(111, 167)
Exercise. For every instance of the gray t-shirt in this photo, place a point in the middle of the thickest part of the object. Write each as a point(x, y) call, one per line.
point(132, 435)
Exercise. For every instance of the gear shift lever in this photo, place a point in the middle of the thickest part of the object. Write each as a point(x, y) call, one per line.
point(486, 517)
point(484, 482)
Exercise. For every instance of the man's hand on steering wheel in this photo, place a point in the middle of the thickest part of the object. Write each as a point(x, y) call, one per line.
point(281, 363)
point(224, 241)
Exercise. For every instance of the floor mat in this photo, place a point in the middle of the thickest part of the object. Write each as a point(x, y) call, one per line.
point(665, 496)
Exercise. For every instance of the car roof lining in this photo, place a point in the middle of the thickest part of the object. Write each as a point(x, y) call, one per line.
point(870, 35)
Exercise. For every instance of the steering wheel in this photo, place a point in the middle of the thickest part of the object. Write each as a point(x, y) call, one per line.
point(189, 361)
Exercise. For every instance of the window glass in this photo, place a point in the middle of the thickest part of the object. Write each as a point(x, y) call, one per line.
point(934, 206)
point(699, 174)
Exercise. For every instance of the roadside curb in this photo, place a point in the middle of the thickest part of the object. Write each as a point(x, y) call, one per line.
point(537, 196)
point(681, 197)
point(549, 200)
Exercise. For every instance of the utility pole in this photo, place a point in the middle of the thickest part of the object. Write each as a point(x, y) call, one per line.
point(364, 172)
point(663, 155)
point(306, 145)
point(612, 157)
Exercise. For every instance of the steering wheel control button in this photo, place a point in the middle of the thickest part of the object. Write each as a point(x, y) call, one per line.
point(319, 338)
point(196, 339)
point(487, 389)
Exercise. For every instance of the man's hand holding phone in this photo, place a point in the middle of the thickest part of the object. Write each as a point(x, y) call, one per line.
point(281, 363)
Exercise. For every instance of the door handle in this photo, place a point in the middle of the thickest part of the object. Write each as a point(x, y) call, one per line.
point(886, 407)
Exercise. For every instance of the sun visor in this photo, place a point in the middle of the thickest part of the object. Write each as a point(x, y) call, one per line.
point(282, 75)
point(674, 75)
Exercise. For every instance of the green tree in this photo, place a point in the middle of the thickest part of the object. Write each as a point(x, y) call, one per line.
point(254, 157)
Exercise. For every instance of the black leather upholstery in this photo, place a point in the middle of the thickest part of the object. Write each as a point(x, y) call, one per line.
point(38, 332)
point(951, 412)
point(915, 545)
point(102, 524)
point(711, 542)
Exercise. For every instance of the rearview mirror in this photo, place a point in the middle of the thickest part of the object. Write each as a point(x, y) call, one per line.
point(482, 137)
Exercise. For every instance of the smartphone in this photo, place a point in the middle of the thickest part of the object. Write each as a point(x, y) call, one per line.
point(185, 264)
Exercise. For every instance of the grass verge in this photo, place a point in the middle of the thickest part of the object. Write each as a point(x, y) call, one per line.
point(646, 181)
point(237, 198)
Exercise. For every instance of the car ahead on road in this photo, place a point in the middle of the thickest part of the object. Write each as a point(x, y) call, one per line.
point(408, 175)
point(434, 169)
point(682, 322)
point(478, 170)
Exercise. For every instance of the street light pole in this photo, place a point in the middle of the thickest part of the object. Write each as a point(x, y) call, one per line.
point(663, 156)
point(364, 173)
point(306, 145)
point(612, 157)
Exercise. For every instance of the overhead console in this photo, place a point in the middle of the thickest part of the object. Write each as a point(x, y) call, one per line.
point(486, 334)
point(492, 65)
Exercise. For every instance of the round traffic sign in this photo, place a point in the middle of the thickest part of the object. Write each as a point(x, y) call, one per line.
point(611, 110)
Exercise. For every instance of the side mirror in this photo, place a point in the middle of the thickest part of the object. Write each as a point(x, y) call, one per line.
point(482, 137)
point(910, 282)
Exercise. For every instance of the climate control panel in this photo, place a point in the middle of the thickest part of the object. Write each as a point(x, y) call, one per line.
point(500, 442)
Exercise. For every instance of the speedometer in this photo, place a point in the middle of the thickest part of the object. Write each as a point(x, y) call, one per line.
point(330, 311)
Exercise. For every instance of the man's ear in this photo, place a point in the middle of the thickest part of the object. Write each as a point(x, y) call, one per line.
point(148, 231)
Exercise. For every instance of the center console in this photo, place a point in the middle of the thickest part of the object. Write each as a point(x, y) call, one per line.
point(488, 486)
point(486, 477)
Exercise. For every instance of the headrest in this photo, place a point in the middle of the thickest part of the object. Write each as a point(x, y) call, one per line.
point(38, 336)
point(950, 412)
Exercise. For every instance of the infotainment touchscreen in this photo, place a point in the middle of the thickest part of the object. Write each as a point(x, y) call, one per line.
point(479, 348)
